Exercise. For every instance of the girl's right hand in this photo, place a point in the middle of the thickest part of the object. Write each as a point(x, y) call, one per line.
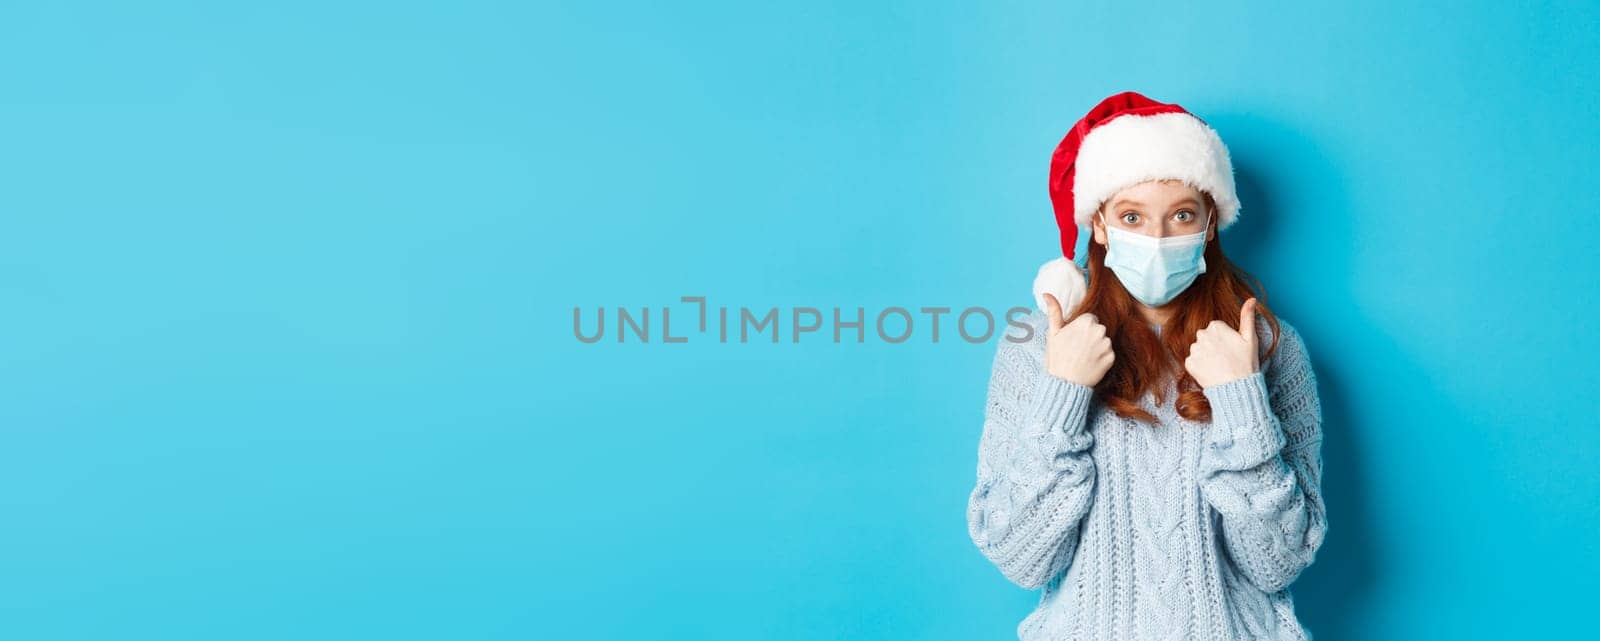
point(1079, 351)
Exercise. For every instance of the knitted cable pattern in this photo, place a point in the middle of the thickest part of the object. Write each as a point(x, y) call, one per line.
point(1136, 531)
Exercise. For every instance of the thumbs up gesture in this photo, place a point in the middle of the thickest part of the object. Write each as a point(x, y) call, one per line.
point(1220, 354)
point(1079, 351)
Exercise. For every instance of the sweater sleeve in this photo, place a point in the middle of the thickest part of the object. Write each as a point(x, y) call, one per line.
point(1035, 476)
point(1261, 468)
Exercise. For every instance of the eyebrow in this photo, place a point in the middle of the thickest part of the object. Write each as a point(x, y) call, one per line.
point(1125, 201)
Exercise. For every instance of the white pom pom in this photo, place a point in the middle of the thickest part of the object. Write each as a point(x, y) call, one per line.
point(1063, 279)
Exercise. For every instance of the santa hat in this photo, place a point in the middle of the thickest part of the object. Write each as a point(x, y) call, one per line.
point(1125, 140)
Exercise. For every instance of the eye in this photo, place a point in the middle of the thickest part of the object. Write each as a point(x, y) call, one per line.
point(1130, 218)
point(1184, 216)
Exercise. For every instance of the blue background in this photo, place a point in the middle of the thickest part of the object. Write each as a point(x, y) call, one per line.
point(288, 345)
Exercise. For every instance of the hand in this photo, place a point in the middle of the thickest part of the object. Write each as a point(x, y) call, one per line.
point(1220, 354)
point(1079, 351)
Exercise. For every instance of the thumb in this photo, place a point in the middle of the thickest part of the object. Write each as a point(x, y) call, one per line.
point(1053, 310)
point(1247, 321)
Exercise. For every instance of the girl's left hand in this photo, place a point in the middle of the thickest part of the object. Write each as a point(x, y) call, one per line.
point(1220, 354)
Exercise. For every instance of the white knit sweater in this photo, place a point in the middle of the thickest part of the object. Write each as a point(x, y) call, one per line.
point(1178, 530)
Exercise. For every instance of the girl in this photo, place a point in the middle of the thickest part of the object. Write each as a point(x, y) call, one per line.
point(1151, 452)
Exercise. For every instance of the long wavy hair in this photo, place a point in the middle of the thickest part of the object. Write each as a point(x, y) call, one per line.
point(1145, 361)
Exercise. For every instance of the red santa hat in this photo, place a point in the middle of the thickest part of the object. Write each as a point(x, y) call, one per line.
point(1125, 140)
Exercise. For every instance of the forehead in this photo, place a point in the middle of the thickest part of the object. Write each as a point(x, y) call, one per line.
point(1158, 192)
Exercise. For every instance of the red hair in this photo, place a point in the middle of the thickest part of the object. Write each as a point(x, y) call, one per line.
point(1144, 361)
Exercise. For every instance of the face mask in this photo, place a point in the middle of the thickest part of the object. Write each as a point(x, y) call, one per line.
point(1155, 270)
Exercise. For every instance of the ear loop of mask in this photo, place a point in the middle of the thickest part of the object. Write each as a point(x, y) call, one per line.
point(1207, 229)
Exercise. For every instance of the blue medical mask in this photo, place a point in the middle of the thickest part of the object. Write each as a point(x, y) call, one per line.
point(1155, 270)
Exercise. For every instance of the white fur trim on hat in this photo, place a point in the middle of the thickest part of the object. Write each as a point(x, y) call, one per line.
point(1063, 279)
point(1128, 150)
